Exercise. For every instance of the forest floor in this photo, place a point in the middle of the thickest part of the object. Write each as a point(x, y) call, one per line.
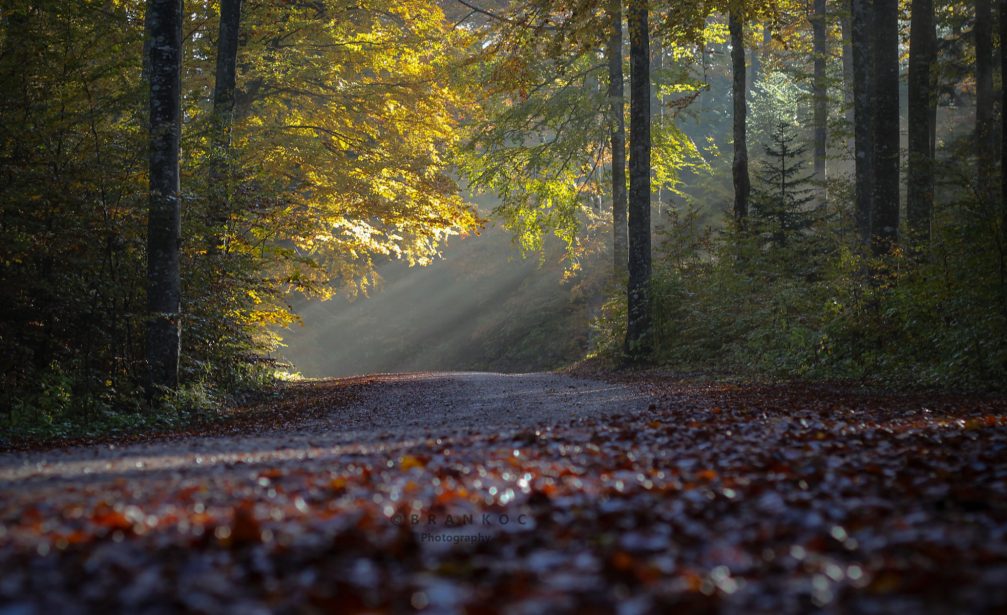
point(486, 493)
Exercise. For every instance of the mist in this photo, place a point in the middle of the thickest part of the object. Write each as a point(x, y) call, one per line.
point(482, 307)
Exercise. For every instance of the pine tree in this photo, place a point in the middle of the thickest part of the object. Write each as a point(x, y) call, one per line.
point(783, 191)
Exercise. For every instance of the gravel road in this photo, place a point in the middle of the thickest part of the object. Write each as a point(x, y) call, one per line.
point(392, 413)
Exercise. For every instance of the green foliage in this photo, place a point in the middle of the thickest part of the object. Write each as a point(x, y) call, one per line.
point(730, 303)
point(777, 98)
point(344, 119)
point(781, 196)
point(540, 140)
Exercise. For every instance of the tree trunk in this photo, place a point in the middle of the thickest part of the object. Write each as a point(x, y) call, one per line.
point(223, 120)
point(617, 121)
point(657, 115)
point(846, 25)
point(935, 88)
point(820, 96)
point(919, 184)
point(638, 330)
point(1003, 159)
point(164, 222)
point(742, 183)
point(863, 77)
point(885, 218)
point(148, 40)
point(755, 64)
point(985, 155)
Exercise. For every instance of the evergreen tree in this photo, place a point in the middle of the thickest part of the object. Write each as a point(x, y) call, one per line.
point(783, 191)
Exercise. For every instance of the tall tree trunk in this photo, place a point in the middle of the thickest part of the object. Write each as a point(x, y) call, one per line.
point(657, 115)
point(821, 96)
point(919, 184)
point(617, 122)
point(164, 222)
point(846, 26)
point(985, 156)
point(755, 64)
point(223, 120)
point(885, 218)
point(638, 329)
point(148, 40)
point(863, 78)
point(935, 88)
point(742, 182)
point(1003, 158)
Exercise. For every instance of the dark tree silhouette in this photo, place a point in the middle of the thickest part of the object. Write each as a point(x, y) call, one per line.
point(780, 204)
point(863, 59)
point(742, 182)
point(617, 105)
point(919, 185)
point(985, 151)
point(639, 322)
point(885, 99)
point(164, 223)
point(820, 95)
point(223, 118)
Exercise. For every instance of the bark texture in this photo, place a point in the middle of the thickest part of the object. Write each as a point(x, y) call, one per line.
point(223, 120)
point(1003, 111)
point(985, 152)
point(638, 342)
point(617, 121)
point(1003, 159)
point(919, 184)
point(742, 182)
point(657, 117)
point(863, 62)
point(846, 27)
point(164, 222)
point(885, 218)
point(820, 96)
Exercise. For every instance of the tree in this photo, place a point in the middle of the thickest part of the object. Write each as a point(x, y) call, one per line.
point(742, 182)
point(919, 184)
point(617, 106)
point(1003, 157)
point(780, 204)
point(164, 222)
point(846, 26)
point(820, 94)
point(863, 61)
point(224, 90)
point(885, 99)
point(638, 325)
point(985, 152)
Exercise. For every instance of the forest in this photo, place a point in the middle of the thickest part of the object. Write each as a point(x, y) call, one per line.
point(712, 293)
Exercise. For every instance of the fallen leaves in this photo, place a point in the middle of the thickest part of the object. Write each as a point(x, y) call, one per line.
point(717, 498)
